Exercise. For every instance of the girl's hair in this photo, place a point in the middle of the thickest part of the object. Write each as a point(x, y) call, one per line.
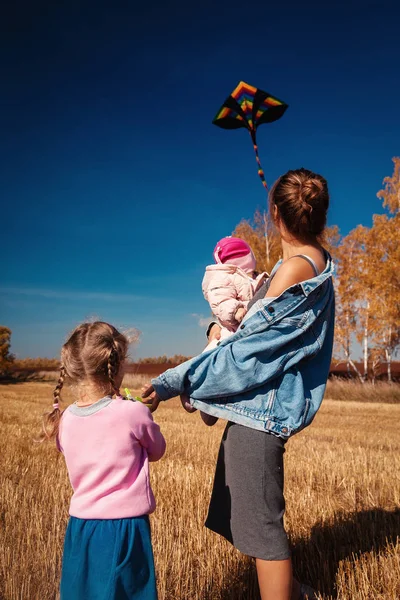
point(302, 200)
point(94, 353)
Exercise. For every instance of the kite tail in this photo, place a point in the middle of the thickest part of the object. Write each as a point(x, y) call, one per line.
point(260, 169)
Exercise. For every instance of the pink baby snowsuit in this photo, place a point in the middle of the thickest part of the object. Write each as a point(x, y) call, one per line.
point(227, 288)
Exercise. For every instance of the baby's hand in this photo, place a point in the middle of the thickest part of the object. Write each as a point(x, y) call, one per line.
point(240, 314)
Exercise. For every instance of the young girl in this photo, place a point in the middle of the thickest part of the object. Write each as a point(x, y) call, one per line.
point(107, 444)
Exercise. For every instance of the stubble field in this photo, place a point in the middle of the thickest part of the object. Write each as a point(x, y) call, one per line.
point(342, 492)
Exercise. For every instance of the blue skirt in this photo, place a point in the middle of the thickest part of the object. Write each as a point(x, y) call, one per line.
point(110, 559)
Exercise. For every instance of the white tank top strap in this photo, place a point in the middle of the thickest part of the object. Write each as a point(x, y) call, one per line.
point(309, 260)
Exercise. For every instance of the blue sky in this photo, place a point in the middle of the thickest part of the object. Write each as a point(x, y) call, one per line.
point(115, 185)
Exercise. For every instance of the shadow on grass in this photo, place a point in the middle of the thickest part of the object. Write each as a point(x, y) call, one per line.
point(240, 584)
point(316, 559)
point(244, 586)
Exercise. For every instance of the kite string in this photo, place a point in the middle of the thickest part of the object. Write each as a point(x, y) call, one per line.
point(260, 169)
point(262, 177)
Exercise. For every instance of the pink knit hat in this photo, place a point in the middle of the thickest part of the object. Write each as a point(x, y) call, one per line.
point(234, 251)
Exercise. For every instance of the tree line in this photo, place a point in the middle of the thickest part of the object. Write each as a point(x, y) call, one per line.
point(9, 364)
point(176, 359)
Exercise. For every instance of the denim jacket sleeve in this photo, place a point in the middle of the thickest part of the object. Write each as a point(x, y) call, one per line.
point(258, 353)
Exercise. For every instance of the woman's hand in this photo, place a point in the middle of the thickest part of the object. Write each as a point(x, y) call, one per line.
point(152, 399)
point(185, 401)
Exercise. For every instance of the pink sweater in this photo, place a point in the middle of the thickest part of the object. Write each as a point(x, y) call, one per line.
point(107, 448)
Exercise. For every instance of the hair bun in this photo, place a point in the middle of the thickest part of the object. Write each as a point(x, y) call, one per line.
point(302, 200)
point(310, 190)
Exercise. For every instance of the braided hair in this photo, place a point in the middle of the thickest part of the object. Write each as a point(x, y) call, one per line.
point(51, 420)
point(113, 366)
point(94, 353)
point(58, 388)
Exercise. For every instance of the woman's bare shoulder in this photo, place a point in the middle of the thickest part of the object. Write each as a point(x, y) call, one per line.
point(289, 273)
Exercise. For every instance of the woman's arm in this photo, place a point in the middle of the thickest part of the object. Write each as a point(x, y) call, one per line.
point(244, 362)
point(233, 368)
point(213, 333)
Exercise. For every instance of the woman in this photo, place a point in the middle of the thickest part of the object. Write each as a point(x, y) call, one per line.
point(268, 381)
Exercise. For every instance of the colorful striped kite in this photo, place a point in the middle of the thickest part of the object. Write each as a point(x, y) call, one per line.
point(250, 107)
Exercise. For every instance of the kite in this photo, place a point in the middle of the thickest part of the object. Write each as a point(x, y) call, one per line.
point(249, 107)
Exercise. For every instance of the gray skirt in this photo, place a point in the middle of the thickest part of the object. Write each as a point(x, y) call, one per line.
point(247, 502)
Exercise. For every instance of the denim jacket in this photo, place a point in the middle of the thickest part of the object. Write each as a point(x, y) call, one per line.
point(271, 374)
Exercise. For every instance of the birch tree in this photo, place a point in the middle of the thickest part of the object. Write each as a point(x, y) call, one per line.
point(385, 258)
point(346, 324)
point(386, 242)
point(260, 233)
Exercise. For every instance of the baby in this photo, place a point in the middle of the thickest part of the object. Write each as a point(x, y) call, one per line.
point(228, 286)
point(231, 283)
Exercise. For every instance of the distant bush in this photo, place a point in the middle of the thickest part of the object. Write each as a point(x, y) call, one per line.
point(6, 358)
point(36, 364)
point(381, 391)
point(177, 359)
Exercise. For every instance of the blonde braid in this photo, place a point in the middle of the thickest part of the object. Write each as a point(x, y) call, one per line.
point(51, 420)
point(112, 369)
point(58, 388)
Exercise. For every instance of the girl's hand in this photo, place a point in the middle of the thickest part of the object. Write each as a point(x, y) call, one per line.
point(152, 399)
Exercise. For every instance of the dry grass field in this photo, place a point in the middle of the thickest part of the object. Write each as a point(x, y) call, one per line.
point(342, 491)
